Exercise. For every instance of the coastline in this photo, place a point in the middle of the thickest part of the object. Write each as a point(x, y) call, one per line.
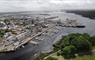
point(25, 52)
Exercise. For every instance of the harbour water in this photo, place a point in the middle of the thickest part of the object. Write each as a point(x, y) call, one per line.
point(46, 45)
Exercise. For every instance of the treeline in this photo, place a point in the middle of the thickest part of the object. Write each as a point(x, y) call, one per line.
point(85, 13)
point(74, 44)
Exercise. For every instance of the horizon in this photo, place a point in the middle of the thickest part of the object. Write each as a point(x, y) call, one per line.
point(45, 5)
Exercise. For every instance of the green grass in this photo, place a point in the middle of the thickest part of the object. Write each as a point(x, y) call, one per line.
point(85, 57)
point(55, 56)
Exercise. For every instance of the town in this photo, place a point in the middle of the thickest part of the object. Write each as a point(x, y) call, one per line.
point(15, 31)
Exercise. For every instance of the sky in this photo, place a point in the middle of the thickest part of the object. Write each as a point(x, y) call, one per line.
point(36, 5)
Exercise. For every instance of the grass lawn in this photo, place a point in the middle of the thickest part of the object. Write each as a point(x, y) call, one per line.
point(86, 57)
point(55, 55)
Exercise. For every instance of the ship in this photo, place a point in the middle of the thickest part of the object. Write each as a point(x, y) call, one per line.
point(73, 23)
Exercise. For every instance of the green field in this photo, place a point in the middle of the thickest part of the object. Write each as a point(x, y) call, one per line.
point(86, 57)
point(55, 56)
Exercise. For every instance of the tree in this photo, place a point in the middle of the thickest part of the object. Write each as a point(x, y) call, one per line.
point(68, 51)
point(92, 40)
point(82, 44)
point(80, 41)
point(75, 43)
point(2, 32)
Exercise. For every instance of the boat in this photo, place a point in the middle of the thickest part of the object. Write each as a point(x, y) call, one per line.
point(73, 24)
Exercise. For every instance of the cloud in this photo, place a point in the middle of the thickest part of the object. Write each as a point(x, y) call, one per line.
point(31, 5)
point(75, 4)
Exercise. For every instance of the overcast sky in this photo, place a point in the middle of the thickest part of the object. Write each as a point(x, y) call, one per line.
point(32, 5)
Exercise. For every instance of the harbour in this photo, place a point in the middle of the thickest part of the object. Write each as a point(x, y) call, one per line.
point(40, 46)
